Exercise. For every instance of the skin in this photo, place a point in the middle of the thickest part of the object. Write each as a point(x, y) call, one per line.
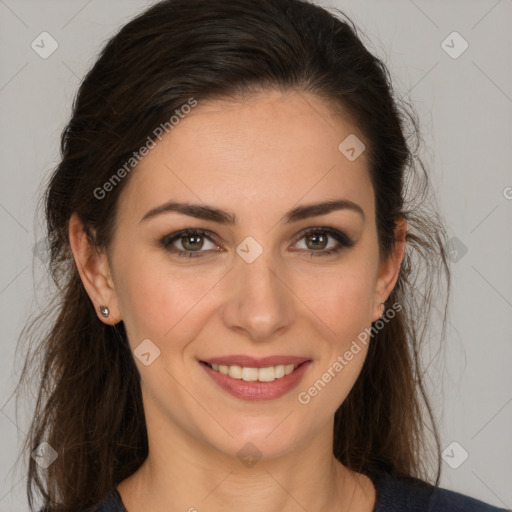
point(257, 158)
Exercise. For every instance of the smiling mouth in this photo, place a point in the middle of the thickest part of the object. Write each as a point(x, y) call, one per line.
point(249, 374)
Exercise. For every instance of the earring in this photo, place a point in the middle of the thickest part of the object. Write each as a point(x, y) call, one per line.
point(384, 308)
point(104, 311)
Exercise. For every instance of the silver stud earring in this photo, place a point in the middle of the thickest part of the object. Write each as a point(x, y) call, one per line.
point(104, 311)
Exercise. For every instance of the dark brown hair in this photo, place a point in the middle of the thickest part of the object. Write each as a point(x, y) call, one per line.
point(89, 405)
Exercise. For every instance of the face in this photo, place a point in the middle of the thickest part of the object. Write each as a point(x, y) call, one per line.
point(261, 280)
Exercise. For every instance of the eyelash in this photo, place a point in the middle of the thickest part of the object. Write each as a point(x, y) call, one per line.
point(343, 241)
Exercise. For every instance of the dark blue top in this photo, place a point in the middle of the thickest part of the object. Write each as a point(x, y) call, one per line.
point(394, 494)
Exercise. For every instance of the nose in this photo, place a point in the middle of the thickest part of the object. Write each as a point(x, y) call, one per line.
point(260, 303)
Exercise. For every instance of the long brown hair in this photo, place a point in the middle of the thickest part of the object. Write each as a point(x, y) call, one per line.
point(89, 404)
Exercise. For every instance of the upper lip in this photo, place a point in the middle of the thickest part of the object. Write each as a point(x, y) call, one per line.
point(255, 362)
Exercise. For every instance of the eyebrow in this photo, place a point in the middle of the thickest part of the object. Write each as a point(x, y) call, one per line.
point(228, 218)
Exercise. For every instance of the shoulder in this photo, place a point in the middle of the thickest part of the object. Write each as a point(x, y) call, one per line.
point(396, 493)
point(111, 503)
point(443, 499)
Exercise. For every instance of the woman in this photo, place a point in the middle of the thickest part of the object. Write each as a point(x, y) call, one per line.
point(244, 274)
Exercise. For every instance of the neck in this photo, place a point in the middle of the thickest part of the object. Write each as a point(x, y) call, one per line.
point(180, 474)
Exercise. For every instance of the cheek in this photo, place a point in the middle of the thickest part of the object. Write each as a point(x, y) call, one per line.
point(157, 300)
point(341, 302)
point(342, 298)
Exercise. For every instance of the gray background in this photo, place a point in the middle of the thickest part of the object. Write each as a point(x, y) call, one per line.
point(464, 105)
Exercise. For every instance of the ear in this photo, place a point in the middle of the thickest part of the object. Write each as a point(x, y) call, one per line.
point(389, 270)
point(94, 270)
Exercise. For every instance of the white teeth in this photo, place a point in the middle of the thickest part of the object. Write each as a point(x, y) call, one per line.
point(279, 371)
point(248, 374)
point(235, 371)
point(266, 374)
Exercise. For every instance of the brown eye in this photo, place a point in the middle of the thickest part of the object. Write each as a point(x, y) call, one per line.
point(189, 243)
point(317, 241)
point(192, 242)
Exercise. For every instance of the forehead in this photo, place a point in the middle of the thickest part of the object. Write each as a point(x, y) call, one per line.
point(265, 153)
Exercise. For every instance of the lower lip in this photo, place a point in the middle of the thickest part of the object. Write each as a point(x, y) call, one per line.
point(258, 390)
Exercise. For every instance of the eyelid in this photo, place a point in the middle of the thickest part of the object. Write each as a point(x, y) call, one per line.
point(328, 230)
point(169, 239)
